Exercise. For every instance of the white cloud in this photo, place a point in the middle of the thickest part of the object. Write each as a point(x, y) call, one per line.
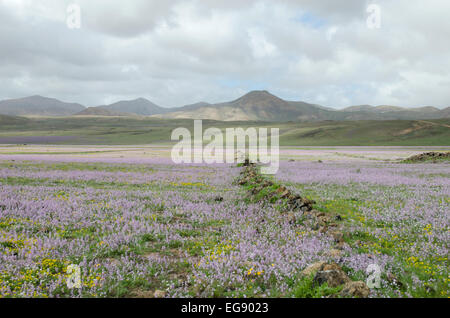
point(260, 46)
point(178, 52)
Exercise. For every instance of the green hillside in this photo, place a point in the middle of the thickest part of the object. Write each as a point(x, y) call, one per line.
point(129, 130)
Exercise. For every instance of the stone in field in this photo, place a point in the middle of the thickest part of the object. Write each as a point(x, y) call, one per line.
point(291, 218)
point(313, 268)
point(355, 289)
point(332, 274)
point(337, 236)
point(159, 294)
point(334, 252)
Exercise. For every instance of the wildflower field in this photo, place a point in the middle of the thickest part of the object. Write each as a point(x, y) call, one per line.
point(138, 225)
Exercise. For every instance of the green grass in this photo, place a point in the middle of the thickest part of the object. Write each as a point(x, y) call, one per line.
point(136, 131)
point(306, 288)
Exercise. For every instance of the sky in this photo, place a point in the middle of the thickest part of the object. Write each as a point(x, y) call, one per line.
point(178, 52)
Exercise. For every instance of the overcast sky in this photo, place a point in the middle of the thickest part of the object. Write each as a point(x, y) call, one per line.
point(177, 52)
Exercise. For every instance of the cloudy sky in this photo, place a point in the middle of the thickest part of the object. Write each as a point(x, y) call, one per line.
point(177, 52)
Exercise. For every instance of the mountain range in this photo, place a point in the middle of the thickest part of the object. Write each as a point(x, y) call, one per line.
point(253, 106)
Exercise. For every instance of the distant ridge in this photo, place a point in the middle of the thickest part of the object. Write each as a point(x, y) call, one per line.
point(388, 108)
point(258, 105)
point(139, 106)
point(264, 106)
point(38, 106)
point(192, 106)
point(100, 111)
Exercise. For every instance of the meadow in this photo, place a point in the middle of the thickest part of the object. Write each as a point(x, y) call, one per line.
point(140, 226)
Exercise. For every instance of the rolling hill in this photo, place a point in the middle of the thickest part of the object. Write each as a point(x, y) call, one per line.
point(38, 106)
point(139, 106)
point(254, 106)
point(6, 120)
point(388, 108)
